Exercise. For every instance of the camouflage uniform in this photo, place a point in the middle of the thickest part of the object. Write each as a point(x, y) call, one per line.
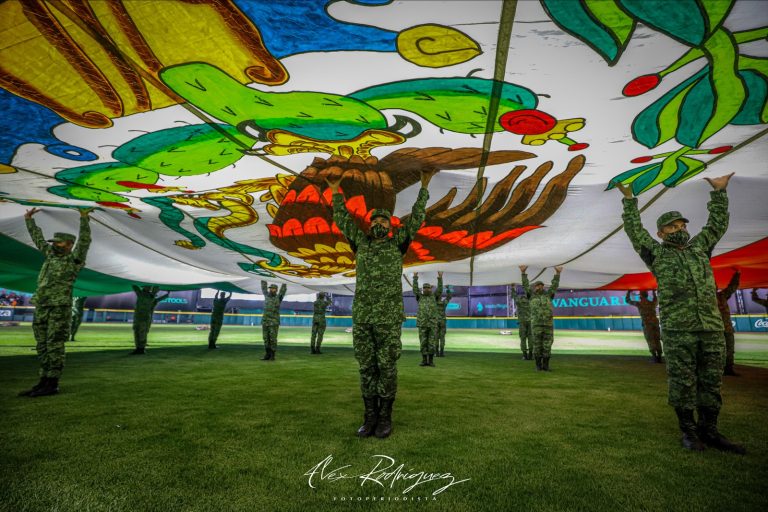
point(524, 324)
point(53, 298)
point(78, 305)
point(143, 311)
point(318, 322)
point(377, 309)
point(217, 318)
point(270, 319)
point(442, 320)
point(541, 320)
point(427, 320)
point(651, 329)
point(722, 304)
point(691, 325)
point(757, 300)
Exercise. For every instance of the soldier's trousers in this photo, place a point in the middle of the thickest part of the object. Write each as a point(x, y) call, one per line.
point(694, 367)
point(269, 333)
point(730, 343)
point(524, 330)
point(428, 338)
point(441, 329)
point(653, 338)
point(50, 326)
point(76, 321)
point(543, 337)
point(140, 332)
point(377, 349)
point(213, 335)
point(318, 330)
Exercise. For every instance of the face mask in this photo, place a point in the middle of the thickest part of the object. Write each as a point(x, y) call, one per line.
point(272, 293)
point(58, 250)
point(678, 237)
point(379, 231)
point(428, 291)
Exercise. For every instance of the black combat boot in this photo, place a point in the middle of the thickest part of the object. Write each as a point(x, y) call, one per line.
point(728, 370)
point(384, 425)
point(267, 354)
point(545, 364)
point(51, 387)
point(272, 353)
point(538, 363)
point(430, 362)
point(41, 383)
point(709, 435)
point(139, 351)
point(424, 361)
point(371, 416)
point(689, 440)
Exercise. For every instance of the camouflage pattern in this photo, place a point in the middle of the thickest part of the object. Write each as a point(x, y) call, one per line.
point(377, 309)
point(318, 321)
point(143, 311)
point(541, 315)
point(379, 264)
point(725, 313)
point(442, 321)
point(217, 317)
point(53, 297)
point(757, 300)
point(523, 321)
point(687, 291)
point(270, 319)
point(78, 306)
point(691, 325)
point(377, 349)
point(694, 368)
point(58, 273)
point(651, 330)
point(427, 317)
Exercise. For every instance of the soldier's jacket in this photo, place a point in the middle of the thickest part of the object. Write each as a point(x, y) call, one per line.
point(58, 273)
point(379, 264)
point(646, 307)
point(319, 307)
point(523, 306)
point(687, 291)
point(442, 301)
point(429, 312)
point(722, 301)
point(146, 301)
point(271, 315)
point(219, 305)
point(541, 303)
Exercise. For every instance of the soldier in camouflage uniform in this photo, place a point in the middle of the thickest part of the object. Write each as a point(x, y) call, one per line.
point(217, 317)
point(646, 306)
point(757, 300)
point(523, 323)
point(442, 320)
point(377, 309)
point(270, 319)
point(427, 318)
point(318, 322)
point(78, 305)
point(722, 304)
point(542, 328)
point(53, 298)
point(143, 311)
point(691, 325)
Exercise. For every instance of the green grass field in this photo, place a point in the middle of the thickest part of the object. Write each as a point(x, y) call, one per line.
point(185, 428)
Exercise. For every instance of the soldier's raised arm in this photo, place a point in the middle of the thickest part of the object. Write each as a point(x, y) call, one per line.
point(733, 285)
point(83, 237)
point(415, 284)
point(264, 289)
point(439, 291)
point(555, 282)
point(641, 240)
point(525, 282)
point(628, 299)
point(341, 215)
point(717, 222)
point(419, 210)
point(282, 291)
point(162, 298)
point(136, 289)
point(35, 232)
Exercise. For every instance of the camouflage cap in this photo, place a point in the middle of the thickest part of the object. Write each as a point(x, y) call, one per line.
point(63, 237)
point(538, 283)
point(668, 218)
point(426, 285)
point(381, 212)
point(273, 286)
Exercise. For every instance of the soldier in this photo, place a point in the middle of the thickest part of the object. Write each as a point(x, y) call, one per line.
point(523, 323)
point(722, 304)
point(757, 300)
point(442, 320)
point(377, 309)
point(53, 298)
point(691, 325)
point(143, 311)
point(427, 317)
point(217, 317)
point(646, 306)
point(78, 304)
point(318, 322)
point(270, 319)
point(541, 316)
